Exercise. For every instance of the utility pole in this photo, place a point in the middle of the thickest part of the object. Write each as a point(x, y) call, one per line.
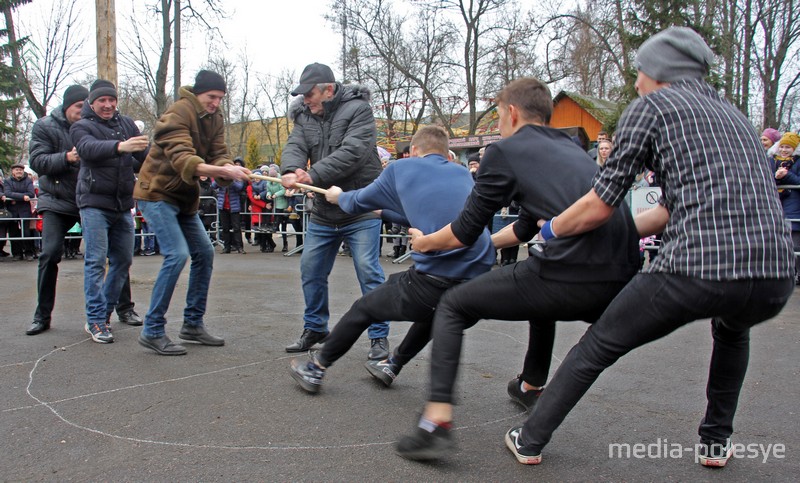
point(106, 15)
point(177, 35)
point(344, 41)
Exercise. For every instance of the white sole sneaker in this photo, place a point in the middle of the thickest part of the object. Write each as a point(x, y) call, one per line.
point(512, 442)
point(716, 461)
point(99, 338)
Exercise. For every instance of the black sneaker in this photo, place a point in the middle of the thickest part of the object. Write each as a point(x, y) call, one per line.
point(714, 454)
point(384, 371)
point(423, 445)
point(307, 373)
point(523, 454)
point(525, 399)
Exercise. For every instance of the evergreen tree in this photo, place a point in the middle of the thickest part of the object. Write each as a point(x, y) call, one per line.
point(10, 91)
point(252, 159)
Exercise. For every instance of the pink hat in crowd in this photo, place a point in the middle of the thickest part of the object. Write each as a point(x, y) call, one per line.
point(773, 134)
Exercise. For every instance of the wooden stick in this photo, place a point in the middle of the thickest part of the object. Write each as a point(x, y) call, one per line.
point(299, 185)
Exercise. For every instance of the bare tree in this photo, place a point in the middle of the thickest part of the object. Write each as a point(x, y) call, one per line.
point(52, 54)
point(421, 57)
point(779, 28)
point(480, 18)
point(137, 56)
point(270, 103)
point(238, 108)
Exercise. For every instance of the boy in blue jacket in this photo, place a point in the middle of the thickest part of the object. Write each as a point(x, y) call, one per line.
point(411, 295)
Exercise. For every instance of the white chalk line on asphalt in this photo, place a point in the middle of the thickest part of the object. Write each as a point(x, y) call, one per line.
point(270, 447)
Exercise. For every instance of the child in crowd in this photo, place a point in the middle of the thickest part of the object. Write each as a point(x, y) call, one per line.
point(787, 173)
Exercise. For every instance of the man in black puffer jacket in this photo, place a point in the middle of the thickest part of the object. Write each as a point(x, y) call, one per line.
point(54, 158)
point(111, 148)
point(334, 128)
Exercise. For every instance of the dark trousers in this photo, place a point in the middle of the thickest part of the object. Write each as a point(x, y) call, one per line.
point(21, 228)
point(230, 229)
point(409, 296)
point(54, 229)
point(513, 292)
point(279, 220)
point(125, 303)
point(650, 307)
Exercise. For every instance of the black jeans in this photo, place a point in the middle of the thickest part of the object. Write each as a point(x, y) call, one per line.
point(230, 229)
point(54, 228)
point(409, 296)
point(514, 292)
point(125, 303)
point(650, 307)
point(21, 228)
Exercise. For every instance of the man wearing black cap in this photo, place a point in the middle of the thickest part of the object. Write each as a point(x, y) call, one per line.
point(334, 128)
point(17, 194)
point(726, 251)
point(188, 142)
point(110, 147)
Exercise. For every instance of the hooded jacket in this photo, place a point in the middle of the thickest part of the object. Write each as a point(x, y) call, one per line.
point(341, 146)
point(50, 143)
point(185, 136)
point(106, 176)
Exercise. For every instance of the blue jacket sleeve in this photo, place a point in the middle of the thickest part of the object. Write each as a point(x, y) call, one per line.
point(379, 195)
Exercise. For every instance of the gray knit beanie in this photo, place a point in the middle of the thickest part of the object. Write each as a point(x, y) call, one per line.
point(674, 54)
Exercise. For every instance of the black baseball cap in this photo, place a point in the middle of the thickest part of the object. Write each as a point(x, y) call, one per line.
point(312, 75)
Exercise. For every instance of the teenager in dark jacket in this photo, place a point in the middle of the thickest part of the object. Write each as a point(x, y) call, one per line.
point(574, 278)
point(111, 148)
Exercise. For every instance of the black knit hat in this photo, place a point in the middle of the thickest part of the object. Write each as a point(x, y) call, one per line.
point(207, 80)
point(74, 93)
point(101, 88)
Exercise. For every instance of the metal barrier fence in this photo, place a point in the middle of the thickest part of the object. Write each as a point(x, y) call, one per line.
point(300, 209)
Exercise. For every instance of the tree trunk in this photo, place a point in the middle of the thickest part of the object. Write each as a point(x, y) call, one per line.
point(106, 14)
point(177, 59)
point(36, 106)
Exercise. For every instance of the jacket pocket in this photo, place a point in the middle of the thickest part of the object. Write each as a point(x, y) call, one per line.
point(312, 136)
point(338, 130)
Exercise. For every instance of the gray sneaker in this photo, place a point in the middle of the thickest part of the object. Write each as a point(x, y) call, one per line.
point(307, 373)
point(99, 332)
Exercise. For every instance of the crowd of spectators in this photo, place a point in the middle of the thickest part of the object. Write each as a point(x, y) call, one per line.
point(271, 209)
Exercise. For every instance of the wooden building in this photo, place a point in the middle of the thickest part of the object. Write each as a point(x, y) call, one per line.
point(571, 109)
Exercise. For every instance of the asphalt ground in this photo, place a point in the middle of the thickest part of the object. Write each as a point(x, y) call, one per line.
point(75, 410)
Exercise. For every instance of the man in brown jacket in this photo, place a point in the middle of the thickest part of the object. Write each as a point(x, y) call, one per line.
point(188, 142)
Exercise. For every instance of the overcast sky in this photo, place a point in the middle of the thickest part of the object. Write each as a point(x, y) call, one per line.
point(276, 34)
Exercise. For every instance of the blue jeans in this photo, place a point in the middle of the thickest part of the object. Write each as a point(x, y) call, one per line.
point(319, 252)
point(180, 236)
point(148, 239)
point(107, 235)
